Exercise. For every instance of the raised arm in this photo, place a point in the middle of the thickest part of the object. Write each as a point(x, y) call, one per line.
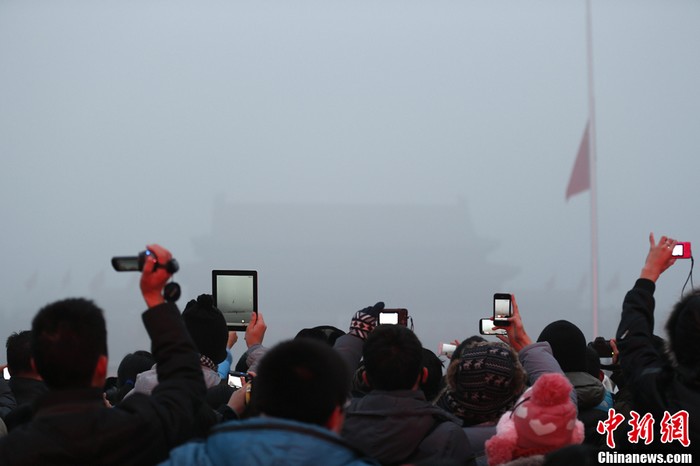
point(166, 415)
point(349, 346)
point(635, 334)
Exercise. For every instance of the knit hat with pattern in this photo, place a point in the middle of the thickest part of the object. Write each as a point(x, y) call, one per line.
point(483, 383)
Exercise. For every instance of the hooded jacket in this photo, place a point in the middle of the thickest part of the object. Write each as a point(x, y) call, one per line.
point(402, 426)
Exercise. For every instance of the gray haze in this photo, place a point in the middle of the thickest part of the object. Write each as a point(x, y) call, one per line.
point(415, 152)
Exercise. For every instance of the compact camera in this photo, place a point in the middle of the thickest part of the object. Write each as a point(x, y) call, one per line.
point(682, 250)
point(394, 316)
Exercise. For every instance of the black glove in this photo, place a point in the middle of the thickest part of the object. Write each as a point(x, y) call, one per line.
point(365, 320)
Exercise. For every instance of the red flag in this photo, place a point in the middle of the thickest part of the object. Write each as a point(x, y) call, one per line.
point(581, 174)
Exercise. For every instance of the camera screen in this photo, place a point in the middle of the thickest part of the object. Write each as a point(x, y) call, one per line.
point(235, 293)
point(235, 381)
point(487, 328)
point(501, 308)
point(389, 318)
point(677, 250)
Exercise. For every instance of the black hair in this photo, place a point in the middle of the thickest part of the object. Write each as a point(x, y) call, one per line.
point(132, 365)
point(683, 329)
point(393, 357)
point(435, 382)
point(324, 333)
point(302, 380)
point(19, 352)
point(68, 338)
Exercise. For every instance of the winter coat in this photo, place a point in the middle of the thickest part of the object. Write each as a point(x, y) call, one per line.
point(74, 426)
point(264, 441)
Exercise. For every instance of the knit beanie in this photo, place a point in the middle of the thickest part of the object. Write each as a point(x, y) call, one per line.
point(568, 345)
point(543, 420)
point(483, 383)
point(132, 365)
point(207, 327)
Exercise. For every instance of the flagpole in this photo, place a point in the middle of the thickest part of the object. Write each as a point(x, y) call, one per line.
point(592, 168)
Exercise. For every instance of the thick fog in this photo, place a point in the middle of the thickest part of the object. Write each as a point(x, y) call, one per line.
point(414, 152)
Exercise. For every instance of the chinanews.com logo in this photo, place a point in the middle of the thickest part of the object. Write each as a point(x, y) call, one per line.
point(673, 429)
point(607, 457)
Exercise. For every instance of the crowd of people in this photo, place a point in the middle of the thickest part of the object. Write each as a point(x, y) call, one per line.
point(372, 395)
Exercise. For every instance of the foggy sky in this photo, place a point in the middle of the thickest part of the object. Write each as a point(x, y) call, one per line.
point(414, 152)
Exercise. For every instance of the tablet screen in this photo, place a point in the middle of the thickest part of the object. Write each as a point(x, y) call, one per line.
point(235, 293)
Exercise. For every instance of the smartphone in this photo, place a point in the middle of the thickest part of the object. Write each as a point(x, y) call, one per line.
point(235, 293)
point(237, 379)
point(502, 306)
point(6, 374)
point(486, 327)
point(682, 250)
point(394, 317)
point(446, 349)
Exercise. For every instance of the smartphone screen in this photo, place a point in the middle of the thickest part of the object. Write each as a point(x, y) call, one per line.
point(486, 327)
point(237, 379)
point(235, 293)
point(6, 374)
point(502, 306)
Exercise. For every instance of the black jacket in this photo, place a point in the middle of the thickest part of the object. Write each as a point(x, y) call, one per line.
point(27, 390)
point(654, 384)
point(74, 427)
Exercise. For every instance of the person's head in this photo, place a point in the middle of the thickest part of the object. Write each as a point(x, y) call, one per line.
point(132, 365)
point(683, 328)
point(207, 327)
point(468, 343)
point(593, 363)
point(302, 380)
point(19, 354)
point(483, 382)
point(69, 344)
point(434, 382)
point(568, 345)
point(324, 333)
point(393, 358)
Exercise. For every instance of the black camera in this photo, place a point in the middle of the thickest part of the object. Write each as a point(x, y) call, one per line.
point(602, 347)
point(135, 263)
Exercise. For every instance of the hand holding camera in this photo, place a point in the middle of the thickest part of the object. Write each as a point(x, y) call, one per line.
point(157, 266)
point(155, 274)
point(365, 320)
point(660, 257)
point(516, 336)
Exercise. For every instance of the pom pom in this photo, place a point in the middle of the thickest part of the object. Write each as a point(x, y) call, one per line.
point(551, 389)
point(500, 447)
